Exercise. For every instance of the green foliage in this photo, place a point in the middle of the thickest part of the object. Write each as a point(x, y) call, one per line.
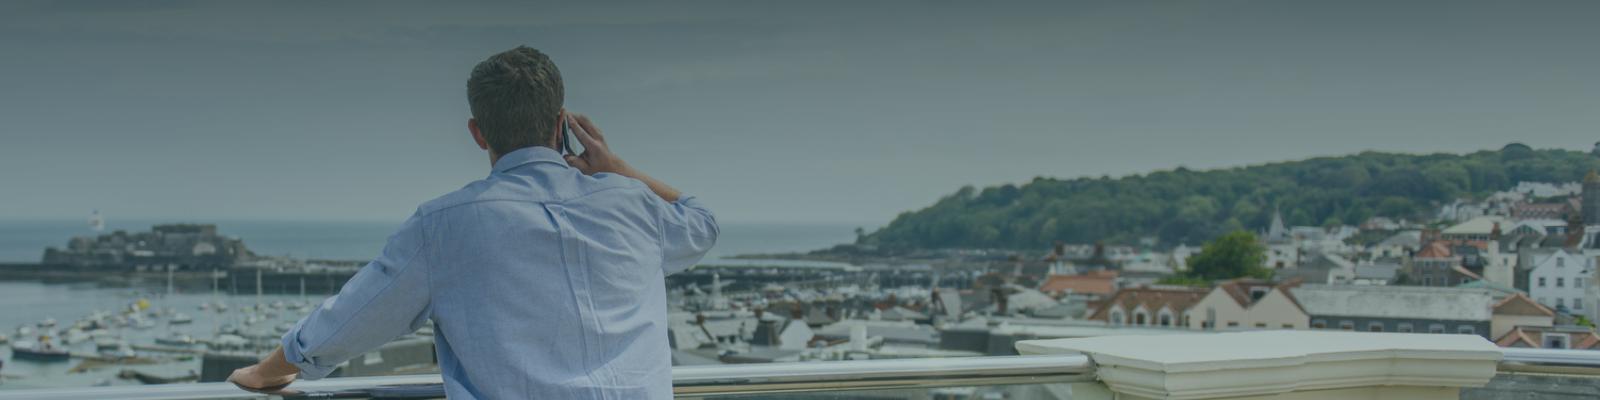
point(1181, 280)
point(1191, 207)
point(1234, 255)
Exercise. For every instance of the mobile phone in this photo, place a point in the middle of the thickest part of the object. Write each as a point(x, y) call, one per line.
point(566, 138)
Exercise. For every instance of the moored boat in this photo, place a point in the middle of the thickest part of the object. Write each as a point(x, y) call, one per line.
point(38, 351)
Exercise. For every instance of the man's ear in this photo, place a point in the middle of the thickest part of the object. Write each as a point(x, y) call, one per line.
point(477, 136)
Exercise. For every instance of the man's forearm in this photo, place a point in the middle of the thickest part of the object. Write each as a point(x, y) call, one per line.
point(660, 188)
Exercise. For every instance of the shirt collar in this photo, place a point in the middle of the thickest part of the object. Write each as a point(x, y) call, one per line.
point(527, 155)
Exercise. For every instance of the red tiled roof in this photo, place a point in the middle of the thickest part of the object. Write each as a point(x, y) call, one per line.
point(1176, 299)
point(1090, 283)
point(1533, 337)
point(1520, 304)
point(1435, 250)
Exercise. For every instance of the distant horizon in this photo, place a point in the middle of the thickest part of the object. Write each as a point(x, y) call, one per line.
point(775, 222)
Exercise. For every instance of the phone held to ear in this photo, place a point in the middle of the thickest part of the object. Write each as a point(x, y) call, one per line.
point(567, 142)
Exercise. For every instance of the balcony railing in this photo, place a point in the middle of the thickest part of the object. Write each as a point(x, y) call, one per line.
point(708, 380)
point(830, 376)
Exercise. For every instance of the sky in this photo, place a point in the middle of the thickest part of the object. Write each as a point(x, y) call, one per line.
point(795, 112)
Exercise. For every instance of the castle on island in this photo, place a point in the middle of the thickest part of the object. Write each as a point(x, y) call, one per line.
point(168, 246)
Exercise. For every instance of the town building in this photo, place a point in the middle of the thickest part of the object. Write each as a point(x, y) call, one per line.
point(1247, 304)
point(1396, 308)
point(1096, 284)
point(1518, 310)
point(1149, 306)
point(1437, 265)
point(1558, 281)
point(1560, 337)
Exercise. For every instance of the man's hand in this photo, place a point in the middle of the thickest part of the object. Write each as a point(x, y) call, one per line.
point(597, 157)
point(270, 375)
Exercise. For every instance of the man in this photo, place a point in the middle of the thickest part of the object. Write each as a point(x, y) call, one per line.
point(544, 280)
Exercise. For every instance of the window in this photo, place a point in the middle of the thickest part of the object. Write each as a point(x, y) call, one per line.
point(1166, 320)
point(1577, 283)
point(1288, 326)
point(1374, 327)
point(1561, 302)
point(1541, 281)
point(1561, 282)
point(1556, 340)
point(1347, 325)
point(1319, 324)
point(1139, 318)
point(1577, 303)
point(1427, 281)
point(1436, 328)
point(1403, 327)
point(1233, 324)
point(1261, 325)
point(1466, 329)
point(1116, 317)
point(1561, 262)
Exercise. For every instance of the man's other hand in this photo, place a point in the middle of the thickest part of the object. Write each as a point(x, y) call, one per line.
point(597, 156)
point(270, 375)
point(251, 378)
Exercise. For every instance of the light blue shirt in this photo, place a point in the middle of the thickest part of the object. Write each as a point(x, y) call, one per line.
point(542, 283)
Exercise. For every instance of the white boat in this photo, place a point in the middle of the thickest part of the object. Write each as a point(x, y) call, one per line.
point(47, 323)
point(74, 335)
point(26, 350)
point(229, 342)
point(180, 318)
point(176, 339)
point(120, 352)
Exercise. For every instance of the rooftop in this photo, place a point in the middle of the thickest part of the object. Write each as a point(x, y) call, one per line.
point(1443, 303)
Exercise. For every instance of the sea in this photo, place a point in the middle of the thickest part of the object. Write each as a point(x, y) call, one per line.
point(27, 302)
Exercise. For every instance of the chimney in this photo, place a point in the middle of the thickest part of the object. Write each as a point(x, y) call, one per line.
point(1574, 232)
point(1494, 234)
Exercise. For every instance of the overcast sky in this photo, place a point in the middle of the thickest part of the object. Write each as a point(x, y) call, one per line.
point(847, 112)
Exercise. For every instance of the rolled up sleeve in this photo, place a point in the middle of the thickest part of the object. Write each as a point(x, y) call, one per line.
point(387, 298)
point(689, 230)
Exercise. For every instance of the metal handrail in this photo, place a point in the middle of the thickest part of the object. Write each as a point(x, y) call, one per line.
point(733, 379)
point(706, 380)
point(1574, 358)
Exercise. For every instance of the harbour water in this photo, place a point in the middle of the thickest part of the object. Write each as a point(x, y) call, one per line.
point(24, 303)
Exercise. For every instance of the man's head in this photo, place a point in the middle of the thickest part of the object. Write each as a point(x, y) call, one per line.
point(516, 101)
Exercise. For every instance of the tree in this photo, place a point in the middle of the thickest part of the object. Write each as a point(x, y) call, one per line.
point(1234, 255)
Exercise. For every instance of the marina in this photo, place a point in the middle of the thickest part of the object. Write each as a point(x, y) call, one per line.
point(83, 334)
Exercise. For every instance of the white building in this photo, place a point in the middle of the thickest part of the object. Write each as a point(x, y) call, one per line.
point(1245, 305)
point(1558, 281)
